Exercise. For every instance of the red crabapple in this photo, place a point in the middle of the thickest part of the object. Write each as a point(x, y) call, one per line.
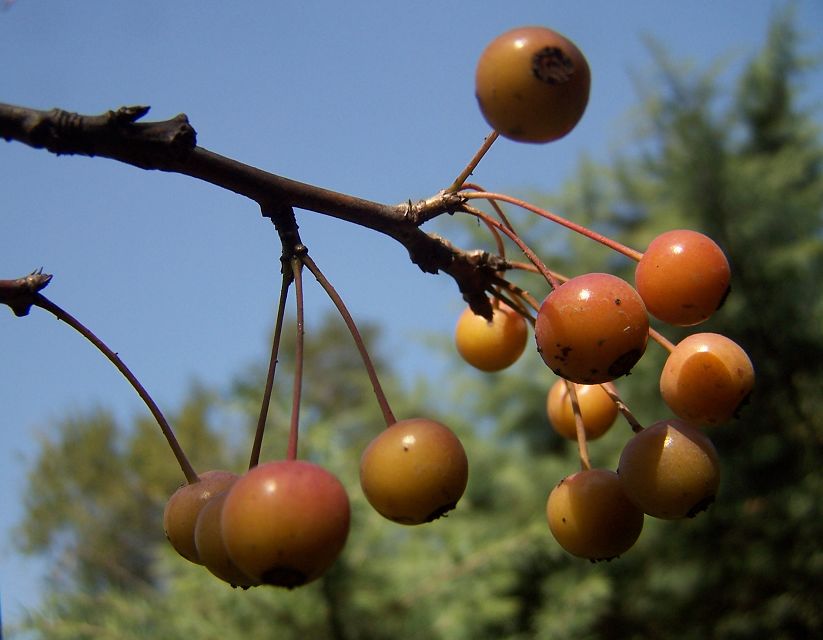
point(182, 509)
point(590, 516)
point(597, 409)
point(491, 346)
point(415, 471)
point(707, 378)
point(592, 329)
point(670, 470)
point(532, 84)
point(683, 277)
point(284, 523)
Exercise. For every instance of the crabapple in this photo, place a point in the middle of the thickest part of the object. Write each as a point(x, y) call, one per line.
point(706, 378)
point(208, 537)
point(491, 346)
point(414, 472)
point(185, 504)
point(597, 409)
point(285, 522)
point(532, 84)
point(592, 329)
point(590, 516)
point(683, 277)
point(670, 470)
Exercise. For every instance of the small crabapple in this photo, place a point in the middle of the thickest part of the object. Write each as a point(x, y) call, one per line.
point(706, 378)
point(532, 84)
point(491, 345)
point(185, 504)
point(208, 537)
point(590, 516)
point(415, 471)
point(670, 470)
point(592, 328)
point(683, 277)
point(597, 409)
point(285, 522)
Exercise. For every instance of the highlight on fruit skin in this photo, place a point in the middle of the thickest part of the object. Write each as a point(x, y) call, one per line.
point(590, 516)
point(285, 522)
point(597, 409)
point(707, 378)
point(532, 84)
point(683, 277)
point(592, 328)
point(491, 345)
point(414, 472)
point(670, 470)
point(184, 506)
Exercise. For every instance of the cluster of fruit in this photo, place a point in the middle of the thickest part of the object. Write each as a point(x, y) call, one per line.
point(593, 328)
point(285, 522)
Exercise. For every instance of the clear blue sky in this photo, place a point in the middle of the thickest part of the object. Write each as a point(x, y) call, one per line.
point(372, 98)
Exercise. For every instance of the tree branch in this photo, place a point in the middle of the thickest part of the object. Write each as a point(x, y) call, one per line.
point(171, 145)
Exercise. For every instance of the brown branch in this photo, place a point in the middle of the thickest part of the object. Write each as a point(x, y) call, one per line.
point(21, 293)
point(171, 145)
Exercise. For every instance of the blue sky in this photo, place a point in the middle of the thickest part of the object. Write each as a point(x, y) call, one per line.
point(371, 98)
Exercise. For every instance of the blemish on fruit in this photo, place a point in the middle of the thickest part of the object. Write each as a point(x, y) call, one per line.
point(284, 577)
point(552, 66)
point(623, 364)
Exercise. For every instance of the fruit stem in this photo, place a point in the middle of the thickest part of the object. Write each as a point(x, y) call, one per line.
point(254, 459)
point(388, 416)
point(611, 390)
point(582, 445)
point(531, 255)
point(41, 301)
point(467, 171)
point(585, 231)
point(297, 273)
point(660, 339)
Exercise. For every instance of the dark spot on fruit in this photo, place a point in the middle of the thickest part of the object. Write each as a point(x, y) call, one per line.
point(623, 364)
point(617, 301)
point(552, 66)
point(284, 577)
point(704, 504)
point(440, 512)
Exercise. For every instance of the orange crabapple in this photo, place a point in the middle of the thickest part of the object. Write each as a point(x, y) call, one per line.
point(491, 345)
point(185, 504)
point(590, 516)
point(707, 378)
point(670, 470)
point(532, 84)
point(592, 328)
point(683, 277)
point(597, 409)
point(285, 522)
point(414, 472)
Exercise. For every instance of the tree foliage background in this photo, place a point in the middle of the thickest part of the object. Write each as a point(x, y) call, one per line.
point(741, 161)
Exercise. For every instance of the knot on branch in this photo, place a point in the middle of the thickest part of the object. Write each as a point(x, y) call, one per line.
point(114, 134)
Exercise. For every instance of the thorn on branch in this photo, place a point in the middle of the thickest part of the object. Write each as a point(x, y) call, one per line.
point(19, 294)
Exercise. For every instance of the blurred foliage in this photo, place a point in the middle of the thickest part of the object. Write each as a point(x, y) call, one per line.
point(744, 165)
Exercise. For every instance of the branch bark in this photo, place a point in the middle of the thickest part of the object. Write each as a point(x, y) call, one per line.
point(171, 145)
